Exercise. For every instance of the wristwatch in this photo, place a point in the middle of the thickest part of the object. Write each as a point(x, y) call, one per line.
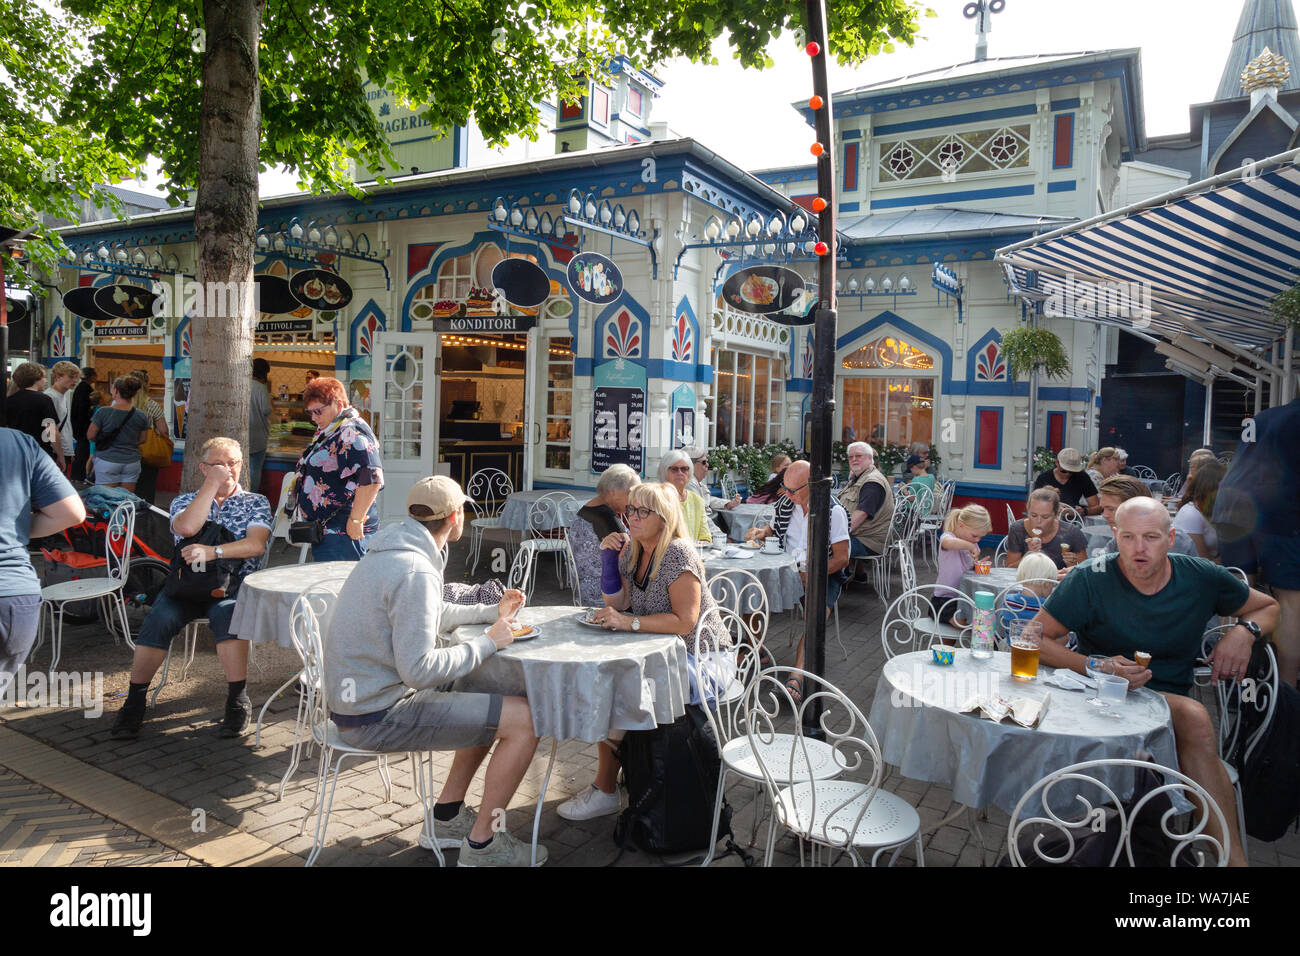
point(636, 624)
point(219, 552)
point(1252, 627)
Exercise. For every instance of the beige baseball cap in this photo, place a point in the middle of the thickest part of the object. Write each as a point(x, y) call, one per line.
point(1070, 460)
point(434, 497)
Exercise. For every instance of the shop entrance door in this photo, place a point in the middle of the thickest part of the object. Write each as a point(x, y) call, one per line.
point(403, 369)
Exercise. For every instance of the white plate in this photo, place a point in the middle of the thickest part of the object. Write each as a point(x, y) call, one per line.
point(776, 552)
point(528, 635)
point(585, 620)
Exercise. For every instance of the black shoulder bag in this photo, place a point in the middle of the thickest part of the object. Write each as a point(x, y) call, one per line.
point(106, 437)
point(212, 583)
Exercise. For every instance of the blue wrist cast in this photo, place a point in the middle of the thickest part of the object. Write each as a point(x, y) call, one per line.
point(611, 582)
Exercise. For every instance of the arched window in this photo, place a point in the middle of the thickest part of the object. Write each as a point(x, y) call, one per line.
point(887, 352)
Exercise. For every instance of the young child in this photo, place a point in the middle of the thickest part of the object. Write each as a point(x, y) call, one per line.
point(1024, 603)
point(958, 549)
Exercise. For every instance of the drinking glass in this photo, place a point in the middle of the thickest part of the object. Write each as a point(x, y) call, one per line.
point(1026, 639)
point(1111, 688)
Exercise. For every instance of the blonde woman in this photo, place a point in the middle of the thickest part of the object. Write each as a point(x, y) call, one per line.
point(958, 549)
point(660, 591)
point(675, 468)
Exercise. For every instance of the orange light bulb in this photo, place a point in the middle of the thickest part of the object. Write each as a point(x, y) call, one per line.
point(818, 204)
point(821, 248)
point(813, 48)
point(816, 149)
point(816, 103)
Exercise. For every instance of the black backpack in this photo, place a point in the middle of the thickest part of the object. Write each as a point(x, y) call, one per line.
point(1270, 779)
point(672, 780)
point(215, 582)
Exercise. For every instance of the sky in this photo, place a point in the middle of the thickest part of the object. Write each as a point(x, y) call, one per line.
point(747, 117)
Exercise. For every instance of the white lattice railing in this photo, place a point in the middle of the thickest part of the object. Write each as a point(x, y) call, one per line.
point(737, 328)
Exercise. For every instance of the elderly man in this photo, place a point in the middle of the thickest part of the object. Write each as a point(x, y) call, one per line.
point(1145, 600)
point(868, 501)
point(387, 673)
point(1071, 482)
point(247, 517)
point(712, 504)
point(793, 531)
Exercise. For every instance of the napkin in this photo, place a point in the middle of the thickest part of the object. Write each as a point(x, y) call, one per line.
point(1068, 680)
point(1025, 711)
point(741, 553)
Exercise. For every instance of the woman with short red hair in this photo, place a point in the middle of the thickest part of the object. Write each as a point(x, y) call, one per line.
point(339, 476)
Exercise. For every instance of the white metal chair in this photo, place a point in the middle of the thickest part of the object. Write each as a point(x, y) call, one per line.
point(741, 592)
point(906, 566)
point(108, 590)
point(1000, 554)
point(281, 522)
point(880, 563)
point(932, 524)
point(728, 486)
point(1144, 473)
point(1174, 484)
point(825, 810)
point(1070, 515)
point(1011, 517)
point(1090, 799)
point(911, 622)
point(1016, 601)
point(547, 533)
point(487, 490)
point(305, 630)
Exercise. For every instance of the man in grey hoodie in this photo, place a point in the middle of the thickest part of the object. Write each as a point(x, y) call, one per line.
point(385, 672)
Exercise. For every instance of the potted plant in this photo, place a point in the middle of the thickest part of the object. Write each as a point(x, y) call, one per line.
point(1031, 348)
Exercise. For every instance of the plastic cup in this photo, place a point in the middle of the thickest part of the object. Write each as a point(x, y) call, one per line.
point(1111, 689)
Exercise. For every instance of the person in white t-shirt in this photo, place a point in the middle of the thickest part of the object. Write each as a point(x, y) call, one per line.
point(65, 376)
point(1196, 505)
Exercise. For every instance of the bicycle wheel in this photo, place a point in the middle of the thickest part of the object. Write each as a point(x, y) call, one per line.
point(143, 585)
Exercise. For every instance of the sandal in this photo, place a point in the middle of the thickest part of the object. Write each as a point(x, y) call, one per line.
point(795, 687)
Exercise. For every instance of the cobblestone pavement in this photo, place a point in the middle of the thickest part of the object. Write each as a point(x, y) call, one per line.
point(179, 762)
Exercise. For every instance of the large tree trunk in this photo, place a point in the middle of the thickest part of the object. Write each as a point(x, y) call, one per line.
point(225, 221)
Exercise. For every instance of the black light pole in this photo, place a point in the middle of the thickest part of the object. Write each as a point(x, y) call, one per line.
point(823, 395)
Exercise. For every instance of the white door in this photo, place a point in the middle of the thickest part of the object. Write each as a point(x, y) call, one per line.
point(404, 365)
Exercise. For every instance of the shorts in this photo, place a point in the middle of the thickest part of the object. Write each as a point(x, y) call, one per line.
point(431, 720)
point(116, 473)
point(857, 549)
point(1275, 556)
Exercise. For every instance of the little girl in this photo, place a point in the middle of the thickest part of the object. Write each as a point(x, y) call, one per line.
point(958, 549)
point(1039, 569)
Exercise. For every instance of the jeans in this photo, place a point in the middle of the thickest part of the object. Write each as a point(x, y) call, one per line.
point(19, 615)
point(169, 616)
point(255, 462)
point(859, 550)
point(339, 547)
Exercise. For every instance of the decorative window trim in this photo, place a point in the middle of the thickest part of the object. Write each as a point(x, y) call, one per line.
point(973, 145)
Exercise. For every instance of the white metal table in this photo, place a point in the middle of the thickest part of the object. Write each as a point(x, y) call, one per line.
point(514, 514)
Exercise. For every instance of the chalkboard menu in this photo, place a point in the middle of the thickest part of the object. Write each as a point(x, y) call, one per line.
point(618, 418)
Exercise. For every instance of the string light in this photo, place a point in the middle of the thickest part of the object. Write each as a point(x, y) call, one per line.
point(465, 340)
point(816, 102)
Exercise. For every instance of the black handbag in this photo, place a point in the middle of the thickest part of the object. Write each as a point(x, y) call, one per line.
point(306, 532)
point(210, 583)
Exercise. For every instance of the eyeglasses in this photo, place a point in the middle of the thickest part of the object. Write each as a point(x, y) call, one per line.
point(313, 412)
point(639, 513)
point(680, 468)
point(232, 465)
point(789, 491)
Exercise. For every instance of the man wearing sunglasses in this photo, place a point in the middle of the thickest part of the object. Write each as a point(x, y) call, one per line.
point(713, 505)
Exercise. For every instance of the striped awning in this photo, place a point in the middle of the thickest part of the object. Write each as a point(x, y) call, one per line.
point(1206, 259)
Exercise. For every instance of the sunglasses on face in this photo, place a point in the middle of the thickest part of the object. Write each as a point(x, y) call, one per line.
point(789, 491)
point(641, 514)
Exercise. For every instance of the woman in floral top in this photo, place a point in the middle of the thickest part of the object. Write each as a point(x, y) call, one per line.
point(340, 474)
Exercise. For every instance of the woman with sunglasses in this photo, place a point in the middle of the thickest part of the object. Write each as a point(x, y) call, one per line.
point(675, 469)
point(656, 587)
point(339, 476)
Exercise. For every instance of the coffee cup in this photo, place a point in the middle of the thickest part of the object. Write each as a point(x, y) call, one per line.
point(771, 546)
point(719, 540)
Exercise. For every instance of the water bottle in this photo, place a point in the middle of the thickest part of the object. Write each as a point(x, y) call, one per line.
point(982, 635)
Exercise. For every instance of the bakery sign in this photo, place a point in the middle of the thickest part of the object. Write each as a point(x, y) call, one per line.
point(483, 323)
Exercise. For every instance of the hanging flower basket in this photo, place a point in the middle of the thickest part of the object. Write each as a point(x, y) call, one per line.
point(1029, 348)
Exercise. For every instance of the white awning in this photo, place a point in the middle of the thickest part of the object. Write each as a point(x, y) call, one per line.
point(1205, 259)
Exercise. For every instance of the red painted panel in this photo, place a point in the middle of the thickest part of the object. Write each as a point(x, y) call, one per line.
point(1063, 143)
point(850, 167)
point(418, 255)
point(990, 432)
point(1056, 430)
point(571, 110)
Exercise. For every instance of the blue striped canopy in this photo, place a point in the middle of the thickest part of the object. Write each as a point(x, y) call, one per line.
point(1206, 258)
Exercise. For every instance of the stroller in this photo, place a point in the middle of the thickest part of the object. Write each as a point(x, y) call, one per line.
point(79, 552)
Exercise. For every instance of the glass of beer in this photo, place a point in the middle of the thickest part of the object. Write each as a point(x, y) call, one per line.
point(1026, 642)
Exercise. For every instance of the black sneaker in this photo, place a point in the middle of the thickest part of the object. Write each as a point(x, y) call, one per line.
point(239, 714)
point(129, 720)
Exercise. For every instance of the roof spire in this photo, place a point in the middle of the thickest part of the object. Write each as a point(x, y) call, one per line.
point(981, 11)
point(1263, 24)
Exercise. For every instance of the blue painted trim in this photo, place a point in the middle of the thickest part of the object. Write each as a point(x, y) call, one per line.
point(624, 301)
point(1062, 186)
point(1058, 106)
point(851, 134)
point(370, 308)
point(1060, 394)
point(793, 174)
point(979, 427)
point(849, 207)
point(799, 385)
point(1098, 401)
point(955, 119)
point(460, 147)
point(972, 489)
point(938, 345)
point(972, 356)
point(685, 306)
point(1000, 192)
point(552, 484)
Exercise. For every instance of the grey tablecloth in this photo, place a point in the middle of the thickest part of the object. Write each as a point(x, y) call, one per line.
point(777, 574)
point(743, 517)
point(581, 681)
point(266, 598)
point(515, 513)
point(995, 581)
point(915, 717)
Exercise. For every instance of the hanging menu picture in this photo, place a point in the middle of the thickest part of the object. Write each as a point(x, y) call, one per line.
point(618, 416)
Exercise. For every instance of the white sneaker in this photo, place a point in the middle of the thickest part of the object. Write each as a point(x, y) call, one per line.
point(591, 803)
point(450, 832)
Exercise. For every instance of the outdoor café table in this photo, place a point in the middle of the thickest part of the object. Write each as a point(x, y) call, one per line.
point(262, 609)
point(581, 681)
point(995, 581)
point(514, 515)
point(743, 518)
point(915, 717)
point(777, 573)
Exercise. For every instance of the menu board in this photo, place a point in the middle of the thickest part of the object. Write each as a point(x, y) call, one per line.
point(618, 417)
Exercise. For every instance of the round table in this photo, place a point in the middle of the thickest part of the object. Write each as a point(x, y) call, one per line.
point(583, 681)
point(743, 518)
point(777, 573)
point(915, 716)
point(266, 598)
point(514, 514)
point(995, 581)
